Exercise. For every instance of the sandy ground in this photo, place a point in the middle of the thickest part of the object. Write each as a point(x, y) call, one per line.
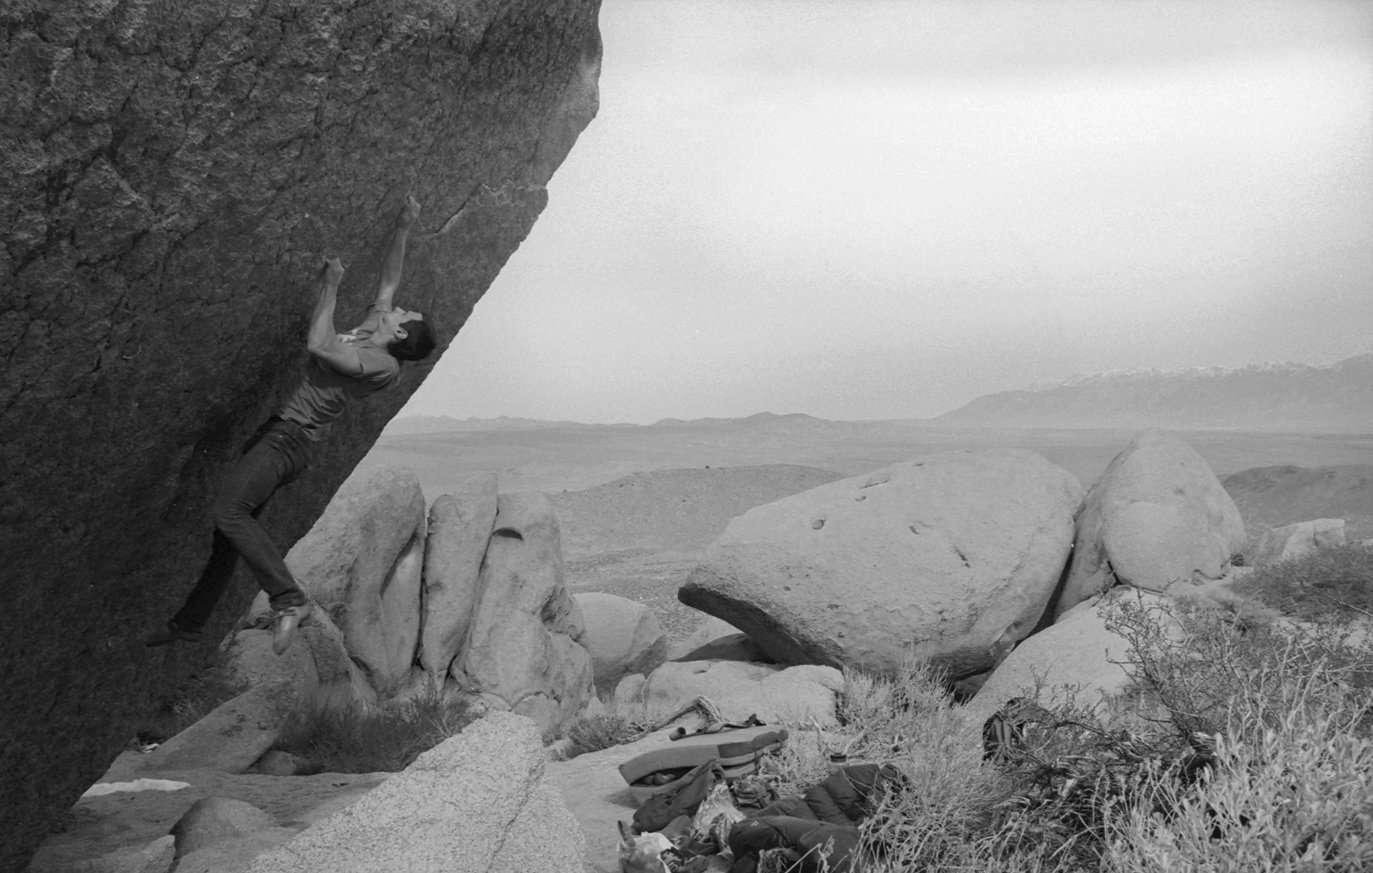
point(1269, 497)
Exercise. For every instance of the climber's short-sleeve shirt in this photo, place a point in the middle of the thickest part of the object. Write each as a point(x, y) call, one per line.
point(325, 392)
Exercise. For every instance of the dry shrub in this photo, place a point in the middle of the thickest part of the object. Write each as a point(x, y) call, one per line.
point(602, 731)
point(364, 739)
point(1332, 585)
point(1246, 747)
point(910, 721)
point(1296, 797)
point(1292, 786)
point(1222, 666)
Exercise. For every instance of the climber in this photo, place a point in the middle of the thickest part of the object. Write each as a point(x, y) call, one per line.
point(342, 367)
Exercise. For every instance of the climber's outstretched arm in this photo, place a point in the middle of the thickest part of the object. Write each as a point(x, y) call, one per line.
point(391, 266)
point(394, 263)
point(323, 341)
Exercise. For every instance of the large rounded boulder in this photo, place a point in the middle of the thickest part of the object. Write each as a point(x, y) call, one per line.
point(1156, 517)
point(951, 557)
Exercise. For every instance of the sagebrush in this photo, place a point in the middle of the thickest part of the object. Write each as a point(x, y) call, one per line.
point(1246, 744)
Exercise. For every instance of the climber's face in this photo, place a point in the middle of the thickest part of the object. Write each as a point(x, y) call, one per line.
point(393, 323)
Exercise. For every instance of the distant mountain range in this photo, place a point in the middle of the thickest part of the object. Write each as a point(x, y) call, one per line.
point(769, 420)
point(422, 424)
point(762, 421)
point(1260, 397)
point(1296, 397)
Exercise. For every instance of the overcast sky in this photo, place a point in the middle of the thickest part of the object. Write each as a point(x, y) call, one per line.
point(885, 209)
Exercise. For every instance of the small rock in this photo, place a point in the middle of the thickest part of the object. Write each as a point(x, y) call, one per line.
point(1296, 540)
point(213, 820)
point(622, 636)
point(278, 763)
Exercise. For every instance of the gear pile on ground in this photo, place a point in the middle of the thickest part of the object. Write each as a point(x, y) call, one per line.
point(746, 830)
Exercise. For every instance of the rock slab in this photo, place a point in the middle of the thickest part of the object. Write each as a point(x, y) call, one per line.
point(477, 801)
point(950, 557)
point(459, 526)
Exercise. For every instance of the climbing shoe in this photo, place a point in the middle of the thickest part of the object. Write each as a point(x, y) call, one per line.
point(288, 620)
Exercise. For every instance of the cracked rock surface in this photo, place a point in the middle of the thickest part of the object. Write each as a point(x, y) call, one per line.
point(170, 174)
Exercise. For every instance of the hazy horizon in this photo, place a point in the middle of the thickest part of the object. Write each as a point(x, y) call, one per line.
point(871, 210)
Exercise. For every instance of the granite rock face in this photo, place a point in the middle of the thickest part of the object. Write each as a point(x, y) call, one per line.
point(170, 174)
point(477, 801)
point(361, 563)
point(523, 651)
point(459, 526)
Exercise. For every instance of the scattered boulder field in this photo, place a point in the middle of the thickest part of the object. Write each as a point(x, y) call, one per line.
point(994, 564)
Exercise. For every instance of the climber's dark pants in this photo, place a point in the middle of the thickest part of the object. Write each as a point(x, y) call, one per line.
point(278, 452)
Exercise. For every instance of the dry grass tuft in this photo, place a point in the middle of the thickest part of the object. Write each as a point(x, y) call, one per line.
point(593, 733)
point(364, 739)
point(182, 705)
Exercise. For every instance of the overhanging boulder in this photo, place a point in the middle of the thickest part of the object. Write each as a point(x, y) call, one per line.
point(169, 177)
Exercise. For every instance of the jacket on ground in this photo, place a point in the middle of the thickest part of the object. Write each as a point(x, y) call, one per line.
point(821, 826)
